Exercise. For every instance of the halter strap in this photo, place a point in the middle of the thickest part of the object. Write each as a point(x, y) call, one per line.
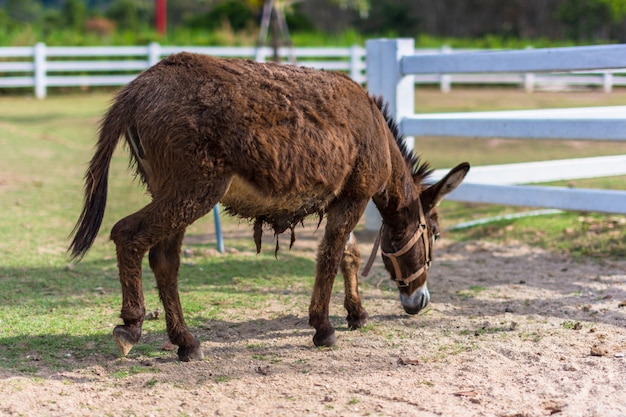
point(393, 257)
point(370, 260)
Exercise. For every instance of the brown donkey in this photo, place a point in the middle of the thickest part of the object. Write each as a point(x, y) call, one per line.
point(274, 144)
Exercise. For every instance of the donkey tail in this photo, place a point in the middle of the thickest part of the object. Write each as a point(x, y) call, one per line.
point(96, 183)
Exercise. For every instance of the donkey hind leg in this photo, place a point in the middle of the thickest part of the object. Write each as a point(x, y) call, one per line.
point(341, 219)
point(134, 236)
point(165, 261)
point(350, 263)
point(129, 256)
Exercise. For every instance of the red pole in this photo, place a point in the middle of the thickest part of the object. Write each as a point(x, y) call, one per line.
point(161, 16)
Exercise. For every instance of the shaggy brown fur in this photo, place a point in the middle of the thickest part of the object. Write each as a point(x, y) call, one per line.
point(273, 143)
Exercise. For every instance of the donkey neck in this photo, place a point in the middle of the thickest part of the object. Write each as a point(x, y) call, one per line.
point(399, 192)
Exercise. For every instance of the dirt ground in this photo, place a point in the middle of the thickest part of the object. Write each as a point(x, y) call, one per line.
point(511, 331)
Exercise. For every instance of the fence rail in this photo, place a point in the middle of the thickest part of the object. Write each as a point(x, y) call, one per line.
point(391, 64)
point(41, 66)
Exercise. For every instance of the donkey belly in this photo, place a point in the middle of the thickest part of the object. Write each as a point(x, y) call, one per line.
point(281, 209)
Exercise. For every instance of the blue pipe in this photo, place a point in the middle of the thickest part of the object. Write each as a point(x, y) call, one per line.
point(218, 228)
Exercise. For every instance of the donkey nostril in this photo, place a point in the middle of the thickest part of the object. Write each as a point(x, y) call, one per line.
point(425, 299)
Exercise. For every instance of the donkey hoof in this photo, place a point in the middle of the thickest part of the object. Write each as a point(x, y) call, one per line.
point(124, 338)
point(187, 354)
point(328, 340)
point(356, 322)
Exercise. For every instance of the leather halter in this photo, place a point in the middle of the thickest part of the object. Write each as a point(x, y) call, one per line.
point(393, 257)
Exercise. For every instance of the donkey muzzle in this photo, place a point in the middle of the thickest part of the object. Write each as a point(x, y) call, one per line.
point(415, 302)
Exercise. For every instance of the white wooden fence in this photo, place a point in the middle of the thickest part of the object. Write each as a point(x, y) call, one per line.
point(41, 66)
point(392, 64)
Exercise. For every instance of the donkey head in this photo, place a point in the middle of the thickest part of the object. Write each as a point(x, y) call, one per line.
point(407, 245)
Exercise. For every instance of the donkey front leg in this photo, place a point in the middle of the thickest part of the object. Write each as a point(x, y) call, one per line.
point(328, 257)
point(350, 264)
point(341, 219)
point(165, 261)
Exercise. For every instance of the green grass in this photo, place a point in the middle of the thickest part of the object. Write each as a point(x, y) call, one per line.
point(471, 292)
point(578, 234)
point(53, 314)
point(133, 370)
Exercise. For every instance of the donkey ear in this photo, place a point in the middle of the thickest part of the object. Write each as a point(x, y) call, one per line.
point(432, 195)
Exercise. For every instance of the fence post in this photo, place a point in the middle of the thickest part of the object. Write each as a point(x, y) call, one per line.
point(529, 82)
point(529, 79)
point(260, 54)
point(385, 78)
point(154, 53)
point(355, 60)
point(39, 60)
point(607, 81)
point(445, 80)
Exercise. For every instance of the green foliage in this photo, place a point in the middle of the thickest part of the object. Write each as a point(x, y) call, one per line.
point(363, 7)
point(130, 15)
point(73, 14)
point(235, 22)
point(489, 41)
point(617, 9)
point(5, 21)
point(297, 20)
point(394, 18)
point(347, 38)
point(235, 13)
point(23, 11)
point(50, 20)
point(583, 18)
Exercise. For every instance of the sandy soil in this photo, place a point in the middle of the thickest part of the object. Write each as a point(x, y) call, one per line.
point(511, 331)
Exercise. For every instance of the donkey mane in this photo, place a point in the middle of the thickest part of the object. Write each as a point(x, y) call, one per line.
point(419, 169)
